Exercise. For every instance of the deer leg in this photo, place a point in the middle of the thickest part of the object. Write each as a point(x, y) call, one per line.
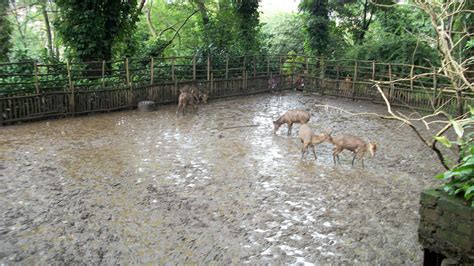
point(303, 151)
point(353, 159)
point(290, 125)
point(314, 152)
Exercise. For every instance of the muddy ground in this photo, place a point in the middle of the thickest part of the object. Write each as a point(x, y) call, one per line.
point(130, 187)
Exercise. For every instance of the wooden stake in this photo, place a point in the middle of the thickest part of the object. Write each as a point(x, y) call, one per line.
point(152, 71)
point(281, 70)
point(227, 67)
point(354, 80)
point(212, 84)
point(322, 74)
point(254, 67)
point(103, 74)
point(373, 72)
point(244, 67)
point(194, 67)
point(411, 76)
point(36, 77)
point(129, 84)
point(268, 66)
point(72, 101)
point(208, 75)
point(392, 87)
point(173, 77)
point(307, 65)
point(435, 87)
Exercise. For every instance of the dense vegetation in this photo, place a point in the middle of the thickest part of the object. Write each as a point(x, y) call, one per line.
point(97, 30)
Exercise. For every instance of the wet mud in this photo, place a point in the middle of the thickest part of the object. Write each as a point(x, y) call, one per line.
point(213, 186)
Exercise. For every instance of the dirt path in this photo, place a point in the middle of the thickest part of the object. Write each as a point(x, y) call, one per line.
point(134, 187)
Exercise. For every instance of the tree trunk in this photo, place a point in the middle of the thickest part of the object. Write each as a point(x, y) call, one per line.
point(49, 37)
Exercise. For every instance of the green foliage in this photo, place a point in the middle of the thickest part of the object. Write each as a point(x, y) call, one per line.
point(283, 33)
point(5, 29)
point(293, 64)
point(395, 37)
point(92, 27)
point(249, 25)
point(317, 25)
point(460, 179)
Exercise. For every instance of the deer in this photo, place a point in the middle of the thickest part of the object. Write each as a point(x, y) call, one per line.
point(351, 143)
point(308, 138)
point(188, 96)
point(290, 117)
point(299, 83)
point(273, 83)
point(346, 86)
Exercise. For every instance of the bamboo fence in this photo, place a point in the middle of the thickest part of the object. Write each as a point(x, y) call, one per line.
point(31, 91)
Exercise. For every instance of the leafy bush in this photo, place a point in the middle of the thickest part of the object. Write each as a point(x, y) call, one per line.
point(460, 179)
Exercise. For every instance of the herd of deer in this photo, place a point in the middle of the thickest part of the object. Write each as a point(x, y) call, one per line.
point(191, 96)
point(309, 139)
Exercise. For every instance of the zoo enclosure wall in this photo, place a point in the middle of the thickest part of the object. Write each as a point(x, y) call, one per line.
point(31, 91)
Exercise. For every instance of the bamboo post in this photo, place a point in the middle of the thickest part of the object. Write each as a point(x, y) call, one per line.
point(103, 74)
point(244, 67)
point(254, 67)
point(281, 70)
point(129, 84)
point(354, 80)
point(194, 67)
point(36, 77)
point(212, 84)
point(173, 77)
point(390, 80)
point(227, 67)
point(72, 101)
point(322, 74)
point(268, 66)
point(208, 68)
point(373, 72)
point(307, 65)
point(152, 70)
point(435, 87)
point(411, 76)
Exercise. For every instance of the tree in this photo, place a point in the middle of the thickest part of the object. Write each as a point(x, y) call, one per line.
point(317, 24)
point(5, 29)
point(283, 33)
point(248, 16)
point(91, 28)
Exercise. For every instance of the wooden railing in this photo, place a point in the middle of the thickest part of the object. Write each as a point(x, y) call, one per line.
point(30, 91)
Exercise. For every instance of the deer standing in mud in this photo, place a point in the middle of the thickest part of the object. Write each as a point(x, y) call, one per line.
point(299, 83)
point(308, 138)
point(291, 117)
point(188, 96)
point(354, 144)
point(346, 86)
point(273, 83)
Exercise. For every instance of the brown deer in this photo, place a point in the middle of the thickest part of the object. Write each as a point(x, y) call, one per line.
point(202, 96)
point(291, 117)
point(354, 144)
point(273, 83)
point(346, 86)
point(188, 96)
point(308, 138)
point(299, 83)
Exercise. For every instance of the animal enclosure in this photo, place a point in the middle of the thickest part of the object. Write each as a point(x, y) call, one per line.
point(215, 186)
point(30, 91)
